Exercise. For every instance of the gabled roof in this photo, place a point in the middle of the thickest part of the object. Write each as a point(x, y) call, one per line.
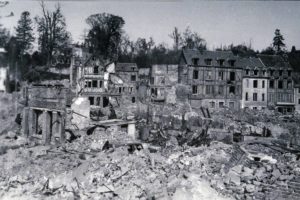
point(274, 61)
point(190, 54)
point(251, 63)
point(126, 67)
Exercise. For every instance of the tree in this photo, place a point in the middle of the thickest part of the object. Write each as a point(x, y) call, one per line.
point(4, 34)
point(24, 32)
point(177, 39)
point(53, 36)
point(278, 41)
point(105, 33)
point(192, 40)
point(268, 51)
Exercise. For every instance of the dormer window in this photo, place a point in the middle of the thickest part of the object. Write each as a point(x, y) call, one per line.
point(231, 62)
point(195, 61)
point(96, 70)
point(221, 62)
point(280, 72)
point(247, 71)
point(207, 61)
point(255, 72)
point(289, 72)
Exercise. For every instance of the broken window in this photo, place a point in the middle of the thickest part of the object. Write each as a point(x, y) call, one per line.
point(195, 74)
point(254, 83)
point(100, 84)
point(289, 73)
point(232, 89)
point(133, 99)
point(254, 96)
point(209, 75)
point(221, 75)
point(130, 89)
point(86, 84)
point(280, 72)
point(246, 96)
point(221, 62)
point(120, 90)
point(195, 61)
point(207, 61)
point(232, 76)
point(89, 84)
point(96, 70)
point(289, 84)
point(212, 104)
point(271, 72)
point(280, 84)
point(263, 97)
point(271, 85)
point(247, 71)
point(221, 104)
point(264, 72)
point(263, 84)
point(133, 77)
point(221, 90)
point(105, 102)
point(255, 72)
point(91, 100)
point(98, 99)
point(209, 89)
point(94, 83)
point(195, 89)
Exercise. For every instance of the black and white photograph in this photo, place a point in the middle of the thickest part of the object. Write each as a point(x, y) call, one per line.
point(149, 100)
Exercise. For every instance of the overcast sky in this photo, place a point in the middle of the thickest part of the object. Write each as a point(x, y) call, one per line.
point(218, 22)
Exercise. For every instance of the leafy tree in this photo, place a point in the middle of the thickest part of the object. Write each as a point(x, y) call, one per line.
point(278, 41)
point(192, 40)
point(4, 34)
point(105, 33)
point(53, 36)
point(268, 51)
point(24, 32)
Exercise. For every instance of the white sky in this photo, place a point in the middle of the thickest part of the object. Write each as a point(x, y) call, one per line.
point(219, 22)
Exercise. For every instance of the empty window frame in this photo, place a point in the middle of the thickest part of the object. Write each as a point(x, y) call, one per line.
point(221, 75)
point(133, 78)
point(280, 84)
point(221, 104)
point(96, 70)
point(221, 90)
point(254, 96)
point(255, 83)
point(232, 76)
point(271, 84)
point(94, 83)
point(91, 100)
point(195, 61)
point(208, 61)
point(232, 89)
point(263, 97)
point(263, 84)
point(246, 96)
point(195, 89)
point(195, 74)
point(209, 89)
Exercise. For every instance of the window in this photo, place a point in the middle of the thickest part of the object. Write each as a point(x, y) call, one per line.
point(271, 85)
point(221, 62)
point(221, 90)
point(254, 108)
point(263, 84)
point(86, 84)
point(232, 76)
point(133, 78)
point(289, 84)
point(133, 99)
point(195, 61)
point(212, 104)
point(254, 96)
point(207, 61)
point(231, 62)
point(255, 72)
point(209, 89)
point(231, 105)
point(299, 101)
point(96, 70)
point(98, 101)
point(209, 75)
point(280, 84)
point(89, 84)
point(91, 100)
point(280, 72)
point(130, 89)
point(195, 89)
point(195, 74)
point(271, 72)
point(264, 72)
point(247, 71)
point(232, 89)
point(298, 90)
point(246, 96)
point(100, 84)
point(95, 83)
point(263, 97)
point(254, 83)
point(289, 73)
point(120, 90)
point(247, 83)
point(221, 75)
point(221, 104)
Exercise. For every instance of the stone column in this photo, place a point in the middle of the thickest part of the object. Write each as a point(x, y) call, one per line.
point(33, 122)
point(46, 127)
point(61, 130)
point(55, 124)
point(25, 122)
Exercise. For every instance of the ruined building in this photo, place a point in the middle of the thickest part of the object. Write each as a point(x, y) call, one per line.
point(215, 78)
point(280, 83)
point(255, 80)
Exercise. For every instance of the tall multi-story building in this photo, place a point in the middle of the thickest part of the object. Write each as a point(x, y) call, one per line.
point(255, 80)
point(215, 78)
point(280, 85)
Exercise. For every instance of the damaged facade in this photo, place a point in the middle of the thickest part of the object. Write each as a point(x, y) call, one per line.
point(215, 78)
